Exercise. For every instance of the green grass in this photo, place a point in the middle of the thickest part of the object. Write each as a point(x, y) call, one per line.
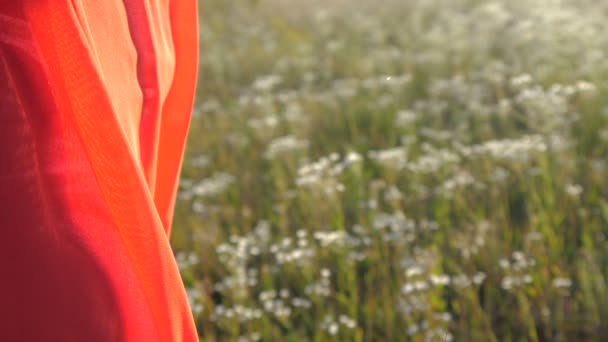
point(417, 170)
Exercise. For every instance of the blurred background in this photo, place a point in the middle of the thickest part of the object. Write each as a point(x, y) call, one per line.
point(421, 170)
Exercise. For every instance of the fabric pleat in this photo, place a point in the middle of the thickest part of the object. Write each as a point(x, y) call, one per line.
point(95, 104)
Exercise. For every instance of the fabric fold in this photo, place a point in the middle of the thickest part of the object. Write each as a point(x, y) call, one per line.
point(75, 142)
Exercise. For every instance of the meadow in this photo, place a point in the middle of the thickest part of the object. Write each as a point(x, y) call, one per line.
point(421, 170)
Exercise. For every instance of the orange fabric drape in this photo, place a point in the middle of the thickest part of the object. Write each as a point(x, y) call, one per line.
point(95, 104)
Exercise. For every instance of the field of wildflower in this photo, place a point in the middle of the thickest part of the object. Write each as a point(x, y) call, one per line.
point(421, 170)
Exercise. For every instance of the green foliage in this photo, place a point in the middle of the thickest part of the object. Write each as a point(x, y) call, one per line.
point(418, 171)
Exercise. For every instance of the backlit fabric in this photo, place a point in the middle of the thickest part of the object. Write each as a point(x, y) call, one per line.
point(95, 104)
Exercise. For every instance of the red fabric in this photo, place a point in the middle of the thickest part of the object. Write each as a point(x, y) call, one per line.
point(95, 103)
